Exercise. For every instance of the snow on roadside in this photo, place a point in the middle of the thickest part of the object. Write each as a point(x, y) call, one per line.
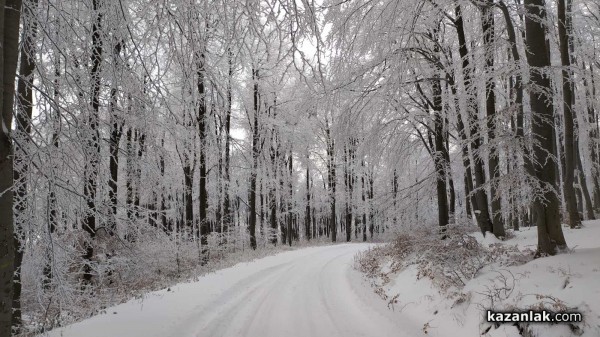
point(506, 278)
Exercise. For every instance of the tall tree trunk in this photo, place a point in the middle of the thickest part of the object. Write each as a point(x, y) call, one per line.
point(92, 148)
point(545, 202)
point(439, 158)
point(129, 179)
point(272, 182)
point(253, 173)
point(202, 134)
point(481, 211)
point(332, 182)
point(589, 208)
point(9, 42)
point(290, 203)
point(594, 137)
point(489, 38)
point(140, 138)
point(371, 209)
point(23, 133)
point(364, 201)
point(569, 116)
point(227, 221)
point(166, 226)
point(395, 196)
point(307, 215)
point(348, 180)
point(115, 137)
point(188, 183)
point(449, 179)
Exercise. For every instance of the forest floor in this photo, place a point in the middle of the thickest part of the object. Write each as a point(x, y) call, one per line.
point(447, 291)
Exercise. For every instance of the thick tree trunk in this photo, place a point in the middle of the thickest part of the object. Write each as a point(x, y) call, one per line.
point(9, 42)
point(545, 202)
point(21, 168)
point(569, 116)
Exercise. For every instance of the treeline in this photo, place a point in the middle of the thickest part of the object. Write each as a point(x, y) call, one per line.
point(501, 96)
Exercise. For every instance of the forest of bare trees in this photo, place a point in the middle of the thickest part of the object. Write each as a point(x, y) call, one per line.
point(141, 138)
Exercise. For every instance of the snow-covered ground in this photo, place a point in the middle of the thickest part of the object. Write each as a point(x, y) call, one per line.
point(317, 292)
point(565, 282)
point(308, 292)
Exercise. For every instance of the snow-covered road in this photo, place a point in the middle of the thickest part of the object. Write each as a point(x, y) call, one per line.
point(307, 292)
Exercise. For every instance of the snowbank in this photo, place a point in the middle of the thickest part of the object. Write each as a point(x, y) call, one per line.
point(508, 279)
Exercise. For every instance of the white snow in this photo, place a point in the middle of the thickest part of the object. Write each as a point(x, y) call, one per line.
point(307, 292)
point(565, 282)
point(317, 292)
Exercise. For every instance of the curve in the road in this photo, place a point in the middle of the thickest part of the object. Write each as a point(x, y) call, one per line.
point(303, 293)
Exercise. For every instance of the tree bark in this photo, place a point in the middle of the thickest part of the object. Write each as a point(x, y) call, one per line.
point(489, 38)
point(307, 215)
point(92, 149)
point(227, 215)
point(202, 135)
point(364, 201)
point(589, 208)
point(545, 202)
point(115, 138)
point(569, 116)
point(371, 209)
point(188, 183)
point(332, 182)
point(348, 181)
point(253, 173)
point(21, 168)
point(10, 13)
point(439, 158)
point(290, 203)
